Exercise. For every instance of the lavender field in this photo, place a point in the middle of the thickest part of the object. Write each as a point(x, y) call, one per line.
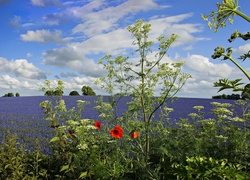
point(24, 116)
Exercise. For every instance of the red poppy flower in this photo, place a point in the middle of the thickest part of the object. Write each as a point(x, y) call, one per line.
point(134, 134)
point(116, 132)
point(70, 132)
point(98, 125)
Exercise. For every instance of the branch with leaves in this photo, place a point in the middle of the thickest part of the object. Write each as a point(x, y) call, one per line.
point(226, 11)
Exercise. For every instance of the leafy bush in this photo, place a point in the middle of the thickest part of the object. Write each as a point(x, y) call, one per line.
point(74, 93)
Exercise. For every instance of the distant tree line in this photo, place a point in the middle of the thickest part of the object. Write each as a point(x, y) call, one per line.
point(10, 94)
point(86, 91)
point(224, 96)
point(245, 95)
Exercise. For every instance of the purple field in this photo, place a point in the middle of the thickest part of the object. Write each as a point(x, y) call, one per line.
point(24, 116)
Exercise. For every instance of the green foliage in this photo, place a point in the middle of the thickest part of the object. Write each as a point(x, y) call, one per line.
point(224, 96)
point(74, 93)
point(226, 11)
point(9, 95)
point(50, 91)
point(208, 168)
point(17, 94)
point(246, 92)
point(227, 84)
point(139, 79)
point(134, 145)
point(87, 91)
point(18, 163)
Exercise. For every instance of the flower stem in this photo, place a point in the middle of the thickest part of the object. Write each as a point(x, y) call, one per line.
point(244, 16)
point(238, 65)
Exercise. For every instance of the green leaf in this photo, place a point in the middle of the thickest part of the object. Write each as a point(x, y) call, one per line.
point(204, 17)
point(54, 139)
point(65, 167)
point(83, 175)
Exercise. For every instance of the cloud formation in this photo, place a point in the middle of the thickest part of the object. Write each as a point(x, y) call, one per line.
point(43, 36)
point(201, 64)
point(21, 68)
point(106, 18)
point(70, 58)
point(46, 3)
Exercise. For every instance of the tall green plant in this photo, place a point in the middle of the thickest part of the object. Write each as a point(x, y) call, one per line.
point(226, 11)
point(141, 79)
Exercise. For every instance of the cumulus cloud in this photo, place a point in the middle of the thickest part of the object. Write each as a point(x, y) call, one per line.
point(242, 49)
point(43, 36)
point(106, 19)
point(110, 43)
point(166, 26)
point(70, 58)
point(21, 68)
point(201, 64)
point(46, 3)
point(23, 87)
point(204, 73)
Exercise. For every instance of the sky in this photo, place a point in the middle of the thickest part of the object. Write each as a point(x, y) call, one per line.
point(64, 40)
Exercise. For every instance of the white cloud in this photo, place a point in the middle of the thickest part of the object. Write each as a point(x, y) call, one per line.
point(111, 42)
point(106, 19)
point(70, 58)
point(242, 49)
point(202, 65)
point(204, 74)
point(43, 36)
point(45, 3)
point(166, 26)
point(8, 82)
point(21, 68)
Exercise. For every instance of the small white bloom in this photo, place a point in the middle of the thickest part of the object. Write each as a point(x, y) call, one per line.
point(198, 107)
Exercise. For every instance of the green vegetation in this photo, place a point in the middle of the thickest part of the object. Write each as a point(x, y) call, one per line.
point(10, 94)
point(226, 11)
point(87, 91)
point(49, 91)
point(224, 96)
point(133, 146)
point(74, 93)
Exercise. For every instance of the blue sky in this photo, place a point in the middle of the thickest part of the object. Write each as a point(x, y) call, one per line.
point(63, 39)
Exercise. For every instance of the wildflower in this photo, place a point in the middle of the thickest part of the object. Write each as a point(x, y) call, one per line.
point(116, 132)
point(134, 134)
point(70, 132)
point(98, 125)
point(198, 107)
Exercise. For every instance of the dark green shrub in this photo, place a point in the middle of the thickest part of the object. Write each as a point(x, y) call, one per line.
point(74, 93)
